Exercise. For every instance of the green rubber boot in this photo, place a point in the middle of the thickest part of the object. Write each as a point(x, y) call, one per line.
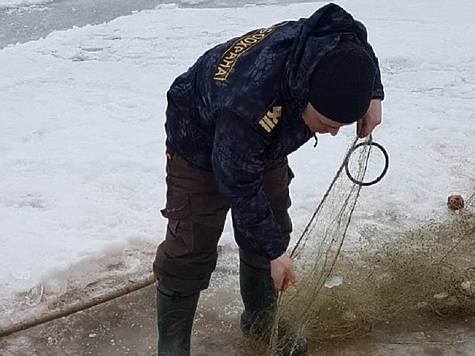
point(175, 315)
point(260, 299)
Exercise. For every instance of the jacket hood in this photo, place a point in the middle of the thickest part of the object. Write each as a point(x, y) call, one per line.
point(319, 34)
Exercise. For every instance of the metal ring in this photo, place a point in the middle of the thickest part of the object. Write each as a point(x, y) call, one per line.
point(383, 173)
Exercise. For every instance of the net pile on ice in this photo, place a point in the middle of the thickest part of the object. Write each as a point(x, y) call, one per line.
point(426, 272)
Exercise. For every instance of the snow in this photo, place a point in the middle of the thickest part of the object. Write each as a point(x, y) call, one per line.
point(82, 139)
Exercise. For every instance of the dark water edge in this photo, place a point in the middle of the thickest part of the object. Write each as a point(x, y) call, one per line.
point(23, 24)
point(30, 23)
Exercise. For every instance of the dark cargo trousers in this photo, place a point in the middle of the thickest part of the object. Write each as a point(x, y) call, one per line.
point(196, 214)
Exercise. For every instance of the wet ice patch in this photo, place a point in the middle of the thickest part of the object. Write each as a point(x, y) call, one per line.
point(333, 282)
point(35, 294)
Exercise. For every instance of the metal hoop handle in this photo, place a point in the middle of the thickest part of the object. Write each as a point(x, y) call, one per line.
point(383, 173)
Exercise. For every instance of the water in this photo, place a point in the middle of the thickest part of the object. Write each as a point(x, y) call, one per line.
point(23, 24)
point(34, 22)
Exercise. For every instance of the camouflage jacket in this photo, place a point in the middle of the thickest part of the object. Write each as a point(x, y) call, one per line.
point(240, 105)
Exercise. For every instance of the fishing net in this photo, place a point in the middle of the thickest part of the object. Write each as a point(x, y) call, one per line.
point(424, 272)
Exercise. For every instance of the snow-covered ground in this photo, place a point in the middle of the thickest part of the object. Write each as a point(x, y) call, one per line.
point(82, 139)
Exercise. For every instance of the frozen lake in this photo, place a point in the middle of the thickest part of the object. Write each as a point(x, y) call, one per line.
point(29, 23)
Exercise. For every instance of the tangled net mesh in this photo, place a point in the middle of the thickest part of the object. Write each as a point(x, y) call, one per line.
point(426, 272)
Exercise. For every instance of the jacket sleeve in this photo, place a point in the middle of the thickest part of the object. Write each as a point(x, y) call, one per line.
point(238, 165)
point(378, 90)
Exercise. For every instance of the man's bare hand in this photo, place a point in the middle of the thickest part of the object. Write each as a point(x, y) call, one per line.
point(282, 272)
point(370, 120)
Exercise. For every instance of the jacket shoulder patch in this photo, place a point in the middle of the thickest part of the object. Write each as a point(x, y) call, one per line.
point(269, 121)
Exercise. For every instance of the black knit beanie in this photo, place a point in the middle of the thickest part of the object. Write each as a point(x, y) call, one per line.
point(341, 86)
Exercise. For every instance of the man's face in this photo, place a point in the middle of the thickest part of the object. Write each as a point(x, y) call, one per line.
point(319, 123)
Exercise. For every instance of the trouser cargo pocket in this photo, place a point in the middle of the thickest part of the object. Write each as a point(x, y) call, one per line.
point(196, 214)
